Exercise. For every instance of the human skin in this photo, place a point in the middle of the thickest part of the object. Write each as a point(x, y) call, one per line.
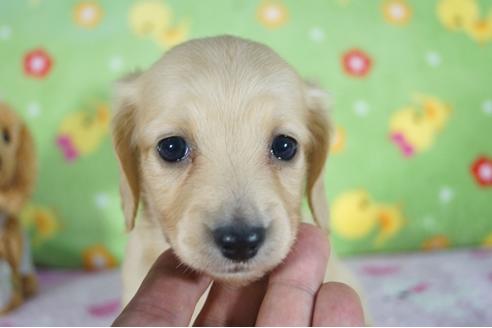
point(292, 295)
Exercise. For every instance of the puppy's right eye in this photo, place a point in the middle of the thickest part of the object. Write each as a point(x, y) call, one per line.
point(6, 136)
point(173, 149)
point(283, 147)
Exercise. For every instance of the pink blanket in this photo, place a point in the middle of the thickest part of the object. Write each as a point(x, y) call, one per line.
point(434, 289)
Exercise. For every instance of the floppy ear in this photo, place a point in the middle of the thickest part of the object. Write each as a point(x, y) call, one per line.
point(123, 126)
point(25, 171)
point(320, 129)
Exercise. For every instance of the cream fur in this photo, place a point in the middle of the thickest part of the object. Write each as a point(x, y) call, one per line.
point(228, 97)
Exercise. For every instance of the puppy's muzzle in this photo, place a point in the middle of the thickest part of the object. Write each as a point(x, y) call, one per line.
point(239, 242)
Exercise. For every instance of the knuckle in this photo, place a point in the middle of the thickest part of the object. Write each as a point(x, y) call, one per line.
point(294, 284)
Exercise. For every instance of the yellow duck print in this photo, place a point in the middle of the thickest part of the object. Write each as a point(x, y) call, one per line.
point(355, 215)
point(457, 14)
point(338, 141)
point(154, 19)
point(173, 35)
point(42, 220)
point(413, 129)
point(390, 220)
point(149, 18)
point(436, 111)
point(464, 15)
point(481, 30)
point(82, 132)
point(487, 242)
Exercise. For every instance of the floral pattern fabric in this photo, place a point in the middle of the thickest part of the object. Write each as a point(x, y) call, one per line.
point(411, 158)
point(438, 289)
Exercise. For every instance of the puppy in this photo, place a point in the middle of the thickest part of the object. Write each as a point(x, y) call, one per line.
point(219, 142)
point(17, 179)
point(18, 168)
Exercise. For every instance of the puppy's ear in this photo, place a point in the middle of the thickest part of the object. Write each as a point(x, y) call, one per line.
point(123, 126)
point(25, 171)
point(320, 129)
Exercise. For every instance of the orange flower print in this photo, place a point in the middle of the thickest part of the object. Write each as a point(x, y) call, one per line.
point(272, 13)
point(97, 257)
point(436, 242)
point(397, 12)
point(87, 14)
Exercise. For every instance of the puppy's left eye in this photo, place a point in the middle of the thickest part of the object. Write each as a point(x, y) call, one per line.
point(284, 147)
point(173, 149)
point(6, 136)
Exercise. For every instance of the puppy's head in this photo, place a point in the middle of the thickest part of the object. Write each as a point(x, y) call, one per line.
point(16, 152)
point(220, 140)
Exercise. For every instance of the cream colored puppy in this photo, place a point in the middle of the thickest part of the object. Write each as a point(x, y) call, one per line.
point(219, 141)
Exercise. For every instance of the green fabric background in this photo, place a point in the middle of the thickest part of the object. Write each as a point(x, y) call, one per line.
point(75, 218)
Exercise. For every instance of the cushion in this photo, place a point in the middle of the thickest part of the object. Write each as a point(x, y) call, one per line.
point(410, 166)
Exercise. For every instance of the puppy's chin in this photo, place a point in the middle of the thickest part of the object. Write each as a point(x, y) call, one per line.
point(233, 273)
point(240, 274)
point(238, 279)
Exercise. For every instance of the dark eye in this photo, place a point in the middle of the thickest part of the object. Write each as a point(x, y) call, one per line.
point(6, 136)
point(284, 148)
point(173, 149)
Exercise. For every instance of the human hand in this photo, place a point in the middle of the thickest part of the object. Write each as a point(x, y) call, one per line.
point(291, 295)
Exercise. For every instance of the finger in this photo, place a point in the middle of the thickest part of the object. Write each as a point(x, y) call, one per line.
point(293, 285)
point(232, 306)
point(337, 305)
point(167, 296)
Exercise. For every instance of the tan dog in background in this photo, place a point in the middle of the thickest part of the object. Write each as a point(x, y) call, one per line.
point(18, 171)
point(18, 168)
point(220, 141)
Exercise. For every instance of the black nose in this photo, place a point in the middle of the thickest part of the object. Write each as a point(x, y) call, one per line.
point(239, 242)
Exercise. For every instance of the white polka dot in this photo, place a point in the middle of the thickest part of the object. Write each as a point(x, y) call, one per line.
point(316, 34)
point(116, 63)
point(429, 223)
point(446, 194)
point(34, 3)
point(101, 200)
point(487, 107)
point(361, 108)
point(33, 109)
point(5, 32)
point(433, 58)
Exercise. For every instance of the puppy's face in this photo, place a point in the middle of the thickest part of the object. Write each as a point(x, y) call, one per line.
point(221, 146)
point(10, 127)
